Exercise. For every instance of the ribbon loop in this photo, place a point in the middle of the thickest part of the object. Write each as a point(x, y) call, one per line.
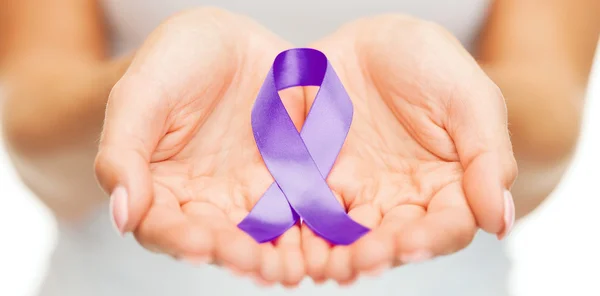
point(300, 162)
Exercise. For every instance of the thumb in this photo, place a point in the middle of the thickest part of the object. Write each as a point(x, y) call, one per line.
point(477, 123)
point(132, 129)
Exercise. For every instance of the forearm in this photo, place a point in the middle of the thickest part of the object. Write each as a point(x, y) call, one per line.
point(56, 105)
point(544, 115)
point(52, 117)
point(540, 53)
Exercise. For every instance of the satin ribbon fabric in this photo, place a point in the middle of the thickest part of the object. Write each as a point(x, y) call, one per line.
point(300, 161)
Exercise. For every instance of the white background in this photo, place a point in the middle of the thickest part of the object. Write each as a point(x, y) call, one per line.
point(556, 250)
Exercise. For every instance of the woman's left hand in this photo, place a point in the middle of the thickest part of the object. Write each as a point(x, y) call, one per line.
point(428, 158)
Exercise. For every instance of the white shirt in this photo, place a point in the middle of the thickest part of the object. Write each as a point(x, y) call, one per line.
point(92, 260)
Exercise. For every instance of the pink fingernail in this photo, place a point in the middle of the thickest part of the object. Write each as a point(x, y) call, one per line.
point(377, 270)
point(509, 214)
point(196, 260)
point(119, 209)
point(416, 257)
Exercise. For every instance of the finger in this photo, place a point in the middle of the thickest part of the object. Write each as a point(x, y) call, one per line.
point(316, 252)
point(375, 252)
point(477, 123)
point(350, 281)
point(167, 230)
point(233, 248)
point(271, 270)
point(289, 248)
point(339, 265)
point(271, 267)
point(140, 103)
point(448, 226)
point(132, 128)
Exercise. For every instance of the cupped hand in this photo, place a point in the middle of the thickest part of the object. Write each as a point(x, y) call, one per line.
point(177, 151)
point(428, 158)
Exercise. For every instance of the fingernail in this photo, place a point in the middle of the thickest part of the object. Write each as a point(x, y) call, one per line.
point(196, 260)
point(509, 214)
point(377, 270)
point(416, 257)
point(119, 209)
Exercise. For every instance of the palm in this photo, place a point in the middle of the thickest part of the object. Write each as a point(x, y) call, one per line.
point(207, 159)
point(218, 175)
point(385, 149)
point(205, 170)
point(398, 172)
point(208, 164)
point(411, 168)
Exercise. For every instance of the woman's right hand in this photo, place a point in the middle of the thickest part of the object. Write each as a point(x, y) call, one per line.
point(177, 152)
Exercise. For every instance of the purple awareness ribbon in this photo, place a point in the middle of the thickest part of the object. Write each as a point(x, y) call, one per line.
point(301, 161)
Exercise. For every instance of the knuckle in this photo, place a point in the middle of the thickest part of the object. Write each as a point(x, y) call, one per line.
point(495, 92)
point(393, 19)
point(124, 88)
point(414, 27)
point(118, 87)
point(428, 30)
point(513, 170)
point(102, 170)
point(395, 24)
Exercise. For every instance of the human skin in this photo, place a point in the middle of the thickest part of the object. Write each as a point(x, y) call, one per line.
point(54, 154)
point(181, 162)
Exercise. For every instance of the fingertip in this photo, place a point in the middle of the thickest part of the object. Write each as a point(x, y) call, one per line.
point(385, 238)
point(349, 282)
point(374, 247)
point(271, 267)
point(436, 234)
point(166, 230)
point(195, 260)
point(484, 190)
point(377, 270)
point(125, 176)
point(294, 267)
point(119, 209)
point(373, 250)
point(339, 267)
point(415, 238)
point(509, 215)
point(289, 247)
point(260, 281)
point(236, 248)
point(316, 252)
